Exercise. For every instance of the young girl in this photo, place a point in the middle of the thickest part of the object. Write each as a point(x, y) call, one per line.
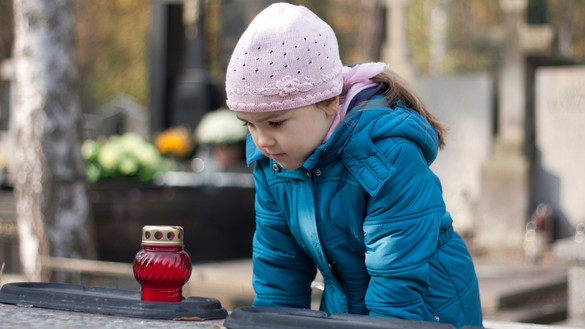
point(341, 163)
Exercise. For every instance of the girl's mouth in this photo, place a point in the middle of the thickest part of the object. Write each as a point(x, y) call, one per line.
point(276, 156)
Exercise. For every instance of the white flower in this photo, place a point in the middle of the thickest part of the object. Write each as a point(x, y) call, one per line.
point(220, 127)
point(147, 154)
point(130, 142)
point(129, 155)
point(110, 155)
point(89, 149)
point(128, 165)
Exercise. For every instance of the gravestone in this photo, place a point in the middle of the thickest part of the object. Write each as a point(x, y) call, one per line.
point(503, 210)
point(469, 120)
point(560, 143)
point(122, 115)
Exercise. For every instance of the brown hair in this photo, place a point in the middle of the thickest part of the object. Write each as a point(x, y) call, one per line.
point(400, 89)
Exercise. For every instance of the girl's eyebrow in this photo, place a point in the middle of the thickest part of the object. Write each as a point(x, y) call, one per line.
point(269, 116)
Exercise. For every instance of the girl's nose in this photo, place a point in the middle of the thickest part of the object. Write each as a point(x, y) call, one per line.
point(264, 140)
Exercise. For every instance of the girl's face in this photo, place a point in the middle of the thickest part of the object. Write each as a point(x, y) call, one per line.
point(290, 136)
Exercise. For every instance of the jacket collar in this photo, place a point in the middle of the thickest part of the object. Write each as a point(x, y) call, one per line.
point(252, 152)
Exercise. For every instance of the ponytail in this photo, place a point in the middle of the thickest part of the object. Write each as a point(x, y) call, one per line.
point(399, 89)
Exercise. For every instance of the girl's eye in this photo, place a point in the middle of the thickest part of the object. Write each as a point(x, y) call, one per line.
point(276, 123)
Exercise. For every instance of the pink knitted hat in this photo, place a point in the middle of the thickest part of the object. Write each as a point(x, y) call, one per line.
point(287, 58)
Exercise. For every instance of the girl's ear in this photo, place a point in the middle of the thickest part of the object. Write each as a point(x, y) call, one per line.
point(330, 105)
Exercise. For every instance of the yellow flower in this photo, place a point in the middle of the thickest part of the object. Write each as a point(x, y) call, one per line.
point(174, 141)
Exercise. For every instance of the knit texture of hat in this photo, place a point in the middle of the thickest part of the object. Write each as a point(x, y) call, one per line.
point(287, 58)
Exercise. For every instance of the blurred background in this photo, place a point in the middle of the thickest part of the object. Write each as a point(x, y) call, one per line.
point(159, 146)
point(116, 42)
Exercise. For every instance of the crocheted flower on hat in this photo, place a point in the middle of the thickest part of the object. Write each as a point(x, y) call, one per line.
point(287, 86)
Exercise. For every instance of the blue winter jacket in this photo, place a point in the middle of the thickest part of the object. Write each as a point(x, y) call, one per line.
point(367, 212)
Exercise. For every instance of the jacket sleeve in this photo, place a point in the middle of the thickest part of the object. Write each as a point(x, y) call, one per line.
point(282, 271)
point(401, 231)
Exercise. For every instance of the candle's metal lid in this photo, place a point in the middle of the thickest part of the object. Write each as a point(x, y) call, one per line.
point(162, 235)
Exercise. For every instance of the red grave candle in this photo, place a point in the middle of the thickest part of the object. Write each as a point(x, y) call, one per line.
point(162, 267)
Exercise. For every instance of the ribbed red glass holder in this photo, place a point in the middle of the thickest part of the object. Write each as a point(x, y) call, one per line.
point(162, 267)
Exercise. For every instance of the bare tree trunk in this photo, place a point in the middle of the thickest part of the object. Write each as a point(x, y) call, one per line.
point(53, 210)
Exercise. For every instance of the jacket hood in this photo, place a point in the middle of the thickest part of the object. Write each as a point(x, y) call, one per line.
point(380, 121)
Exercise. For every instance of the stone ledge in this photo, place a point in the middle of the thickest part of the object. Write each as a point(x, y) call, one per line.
point(570, 250)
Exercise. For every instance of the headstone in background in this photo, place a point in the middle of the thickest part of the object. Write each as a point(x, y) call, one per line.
point(503, 210)
point(560, 142)
point(464, 103)
point(180, 87)
point(121, 115)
